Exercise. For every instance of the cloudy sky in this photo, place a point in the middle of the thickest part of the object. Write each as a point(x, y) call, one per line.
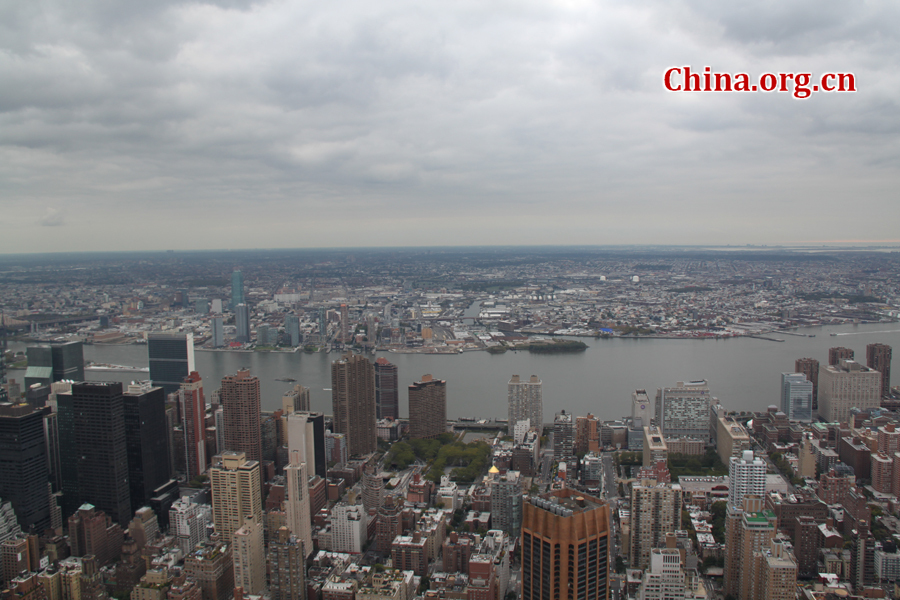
point(127, 124)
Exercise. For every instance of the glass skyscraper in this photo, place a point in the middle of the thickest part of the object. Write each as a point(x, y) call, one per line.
point(237, 289)
point(171, 359)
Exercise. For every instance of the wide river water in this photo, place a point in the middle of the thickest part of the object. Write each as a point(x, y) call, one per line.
point(744, 373)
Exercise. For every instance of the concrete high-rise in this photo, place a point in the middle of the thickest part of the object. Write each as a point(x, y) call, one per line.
point(587, 434)
point(749, 528)
point(565, 547)
point(655, 512)
point(48, 363)
point(242, 323)
point(236, 493)
point(306, 435)
point(641, 408)
point(237, 289)
point(683, 410)
point(249, 557)
point(292, 329)
point(295, 399)
point(353, 402)
point(171, 359)
point(217, 330)
point(810, 368)
point(345, 324)
point(563, 436)
point(664, 577)
point(878, 358)
point(287, 558)
point(146, 434)
point(506, 501)
point(839, 353)
point(845, 386)
point(747, 476)
point(525, 401)
point(427, 408)
point(296, 505)
point(23, 465)
point(387, 402)
point(240, 399)
point(796, 397)
point(93, 448)
point(193, 416)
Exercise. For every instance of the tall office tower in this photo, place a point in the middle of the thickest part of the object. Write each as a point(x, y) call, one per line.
point(242, 323)
point(641, 408)
point(746, 475)
point(93, 449)
point(664, 579)
point(171, 359)
point(525, 400)
point(287, 558)
point(427, 408)
point(323, 325)
point(878, 358)
point(217, 328)
point(145, 441)
point(506, 501)
point(749, 528)
point(387, 402)
point(249, 556)
point(373, 488)
point(296, 504)
point(563, 436)
point(353, 401)
point(295, 400)
point(796, 397)
point(565, 547)
point(292, 329)
point(193, 415)
point(839, 353)
point(237, 289)
point(845, 386)
point(345, 324)
point(683, 410)
point(306, 435)
point(23, 465)
point(236, 493)
point(240, 398)
point(810, 368)
point(656, 511)
point(48, 363)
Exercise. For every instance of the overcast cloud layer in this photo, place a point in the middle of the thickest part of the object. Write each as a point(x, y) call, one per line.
point(154, 125)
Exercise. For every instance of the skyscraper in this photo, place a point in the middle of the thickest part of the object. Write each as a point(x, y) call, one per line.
point(249, 557)
point(237, 289)
point(240, 398)
point(217, 329)
point(749, 528)
point(427, 408)
point(839, 353)
point(48, 363)
point(563, 436)
point(387, 403)
point(286, 561)
point(93, 448)
point(796, 397)
point(845, 386)
point(656, 511)
point(171, 359)
point(641, 408)
point(236, 493)
point(810, 368)
point(506, 501)
point(306, 435)
point(747, 475)
point(242, 323)
point(295, 399)
point(683, 410)
point(296, 504)
point(323, 325)
point(345, 324)
point(292, 329)
point(525, 399)
point(145, 441)
point(565, 547)
point(193, 415)
point(878, 358)
point(353, 401)
point(23, 465)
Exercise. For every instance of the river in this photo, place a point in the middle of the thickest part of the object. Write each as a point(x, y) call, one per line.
point(744, 373)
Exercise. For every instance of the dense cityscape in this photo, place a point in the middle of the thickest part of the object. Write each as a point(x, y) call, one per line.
point(180, 486)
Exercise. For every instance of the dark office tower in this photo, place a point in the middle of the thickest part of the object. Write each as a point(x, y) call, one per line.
point(54, 362)
point(810, 368)
point(145, 441)
point(345, 324)
point(242, 323)
point(427, 408)
point(171, 359)
point(239, 395)
point(23, 465)
point(237, 289)
point(193, 415)
point(353, 401)
point(565, 547)
point(387, 405)
point(93, 448)
point(878, 358)
point(835, 355)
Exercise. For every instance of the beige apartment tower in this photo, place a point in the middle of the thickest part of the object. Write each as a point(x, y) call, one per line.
point(427, 408)
point(655, 512)
point(249, 555)
point(240, 400)
point(845, 386)
point(236, 493)
point(353, 402)
point(526, 402)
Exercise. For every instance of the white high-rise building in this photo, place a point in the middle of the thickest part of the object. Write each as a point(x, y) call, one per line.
point(348, 528)
point(747, 475)
point(526, 401)
point(641, 408)
point(249, 557)
point(665, 578)
point(683, 410)
point(845, 386)
point(796, 397)
point(520, 429)
point(296, 504)
point(188, 522)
